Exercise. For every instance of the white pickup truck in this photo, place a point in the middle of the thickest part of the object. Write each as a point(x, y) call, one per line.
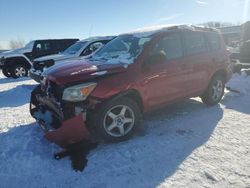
point(81, 49)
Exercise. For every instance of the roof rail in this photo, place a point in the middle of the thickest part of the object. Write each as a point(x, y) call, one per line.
point(205, 28)
point(193, 28)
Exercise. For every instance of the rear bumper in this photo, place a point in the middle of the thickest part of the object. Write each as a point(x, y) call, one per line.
point(35, 75)
point(240, 64)
point(56, 129)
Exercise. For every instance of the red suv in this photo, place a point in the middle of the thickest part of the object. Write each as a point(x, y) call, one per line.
point(107, 94)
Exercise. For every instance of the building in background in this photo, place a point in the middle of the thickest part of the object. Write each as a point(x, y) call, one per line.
point(234, 35)
point(231, 35)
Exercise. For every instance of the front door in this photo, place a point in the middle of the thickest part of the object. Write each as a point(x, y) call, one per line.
point(165, 81)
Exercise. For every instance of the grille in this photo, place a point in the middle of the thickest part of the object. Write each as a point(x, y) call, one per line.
point(55, 90)
point(51, 89)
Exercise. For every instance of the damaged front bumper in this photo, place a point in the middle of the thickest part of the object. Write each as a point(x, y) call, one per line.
point(51, 119)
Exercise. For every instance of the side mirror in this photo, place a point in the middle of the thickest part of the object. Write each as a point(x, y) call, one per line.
point(156, 58)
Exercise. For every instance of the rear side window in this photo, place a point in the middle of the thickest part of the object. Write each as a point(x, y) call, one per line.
point(62, 45)
point(214, 41)
point(43, 46)
point(195, 43)
point(171, 45)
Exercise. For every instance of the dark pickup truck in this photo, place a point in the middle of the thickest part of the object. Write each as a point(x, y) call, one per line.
point(240, 56)
point(16, 63)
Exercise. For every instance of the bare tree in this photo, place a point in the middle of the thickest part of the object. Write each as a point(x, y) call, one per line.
point(13, 44)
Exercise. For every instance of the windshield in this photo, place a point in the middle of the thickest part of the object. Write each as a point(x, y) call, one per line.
point(29, 45)
point(123, 49)
point(74, 48)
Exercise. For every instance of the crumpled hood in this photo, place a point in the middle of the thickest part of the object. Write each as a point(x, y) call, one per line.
point(80, 70)
point(55, 57)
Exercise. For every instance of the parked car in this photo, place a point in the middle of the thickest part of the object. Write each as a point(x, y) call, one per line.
point(83, 48)
point(16, 63)
point(107, 94)
point(240, 56)
point(245, 54)
point(234, 53)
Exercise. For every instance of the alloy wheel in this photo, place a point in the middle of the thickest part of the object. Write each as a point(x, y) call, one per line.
point(119, 121)
point(20, 71)
point(217, 90)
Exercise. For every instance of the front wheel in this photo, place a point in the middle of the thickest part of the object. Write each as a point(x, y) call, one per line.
point(215, 91)
point(6, 72)
point(18, 71)
point(117, 120)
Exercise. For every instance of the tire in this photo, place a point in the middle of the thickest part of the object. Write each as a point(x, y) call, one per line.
point(18, 71)
point(215, 91)
point(117, 120)
point(6, 72)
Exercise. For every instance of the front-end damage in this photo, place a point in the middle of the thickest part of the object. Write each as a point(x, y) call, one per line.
point(62, 122)
point(67, 99)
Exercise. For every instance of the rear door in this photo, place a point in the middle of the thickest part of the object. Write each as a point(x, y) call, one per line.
point(165, 81)
point(217, 48)
point(198, 60)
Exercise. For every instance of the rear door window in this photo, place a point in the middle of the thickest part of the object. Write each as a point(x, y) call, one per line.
point(64, 44)
point(43, 46)
point(195, 43)
point(214, 41)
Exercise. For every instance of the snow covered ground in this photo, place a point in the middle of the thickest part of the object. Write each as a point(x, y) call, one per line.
point(184, 145)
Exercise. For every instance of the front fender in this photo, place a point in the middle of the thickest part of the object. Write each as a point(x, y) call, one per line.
point(13, 56)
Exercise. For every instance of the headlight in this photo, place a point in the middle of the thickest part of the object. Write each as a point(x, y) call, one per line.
point(78, 92)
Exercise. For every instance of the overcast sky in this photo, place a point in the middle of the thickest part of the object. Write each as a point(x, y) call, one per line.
point(32, 19)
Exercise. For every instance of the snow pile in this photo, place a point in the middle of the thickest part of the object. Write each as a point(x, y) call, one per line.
point(45, 117)
point(184, 145)
point(150, 30)
point(115, 58)
point(237, 84)
point(122, 58)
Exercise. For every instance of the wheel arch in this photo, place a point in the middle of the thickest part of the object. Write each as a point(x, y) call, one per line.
point(132, 94)
point(11, 61)
point(220, 72)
